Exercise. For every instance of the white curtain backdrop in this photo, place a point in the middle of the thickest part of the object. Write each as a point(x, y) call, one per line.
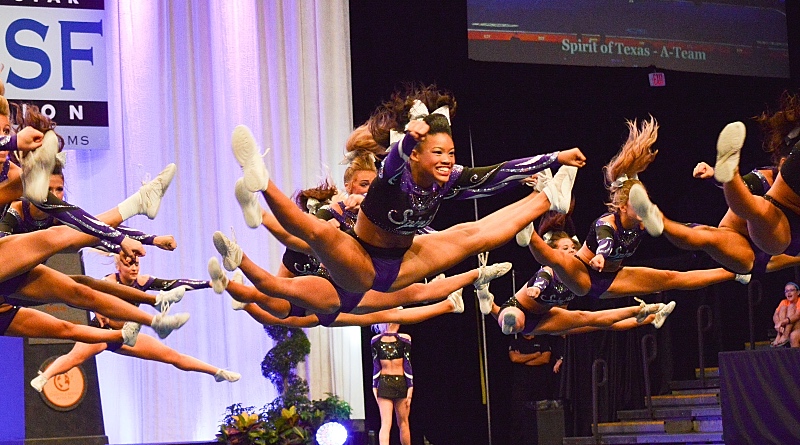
point(182, 74)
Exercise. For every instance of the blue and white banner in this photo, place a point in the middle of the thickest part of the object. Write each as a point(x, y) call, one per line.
point(54, 55)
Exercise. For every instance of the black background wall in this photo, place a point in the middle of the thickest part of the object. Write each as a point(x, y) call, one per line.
point(507, 111)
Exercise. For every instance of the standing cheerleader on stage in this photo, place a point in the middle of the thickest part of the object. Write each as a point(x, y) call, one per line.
point(392, 379)
point(596, 269)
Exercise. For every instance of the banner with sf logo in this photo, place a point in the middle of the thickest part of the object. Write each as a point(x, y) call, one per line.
point(54, 56)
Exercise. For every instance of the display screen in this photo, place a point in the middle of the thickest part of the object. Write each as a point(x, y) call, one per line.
point(723, 37)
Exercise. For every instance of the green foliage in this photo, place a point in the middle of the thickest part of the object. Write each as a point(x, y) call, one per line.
point(335, 409)
point(280, 425)
point(291, 347)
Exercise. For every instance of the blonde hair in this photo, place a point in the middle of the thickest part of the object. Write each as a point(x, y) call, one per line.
point(363, 161)
point(633, 158)
point(619, 197)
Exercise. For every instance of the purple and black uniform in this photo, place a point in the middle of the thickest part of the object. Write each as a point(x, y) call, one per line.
point(790, 172)
point(76, 218)
point(399, 206)
point(552, 293)
point(391, 386)
point(613, 243)
point(161, 284)
point(758, 185)
point(301, 264)
point(8, 143)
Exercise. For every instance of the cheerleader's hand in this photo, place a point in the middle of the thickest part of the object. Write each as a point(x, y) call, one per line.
point(573, 157)
point(418, 128)
point(598, 262)
point(703, 171)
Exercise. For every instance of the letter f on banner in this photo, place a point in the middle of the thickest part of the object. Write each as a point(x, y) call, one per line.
point(68, 53)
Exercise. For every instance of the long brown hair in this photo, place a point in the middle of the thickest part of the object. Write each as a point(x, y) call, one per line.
point(776, 125)
point(393, 114)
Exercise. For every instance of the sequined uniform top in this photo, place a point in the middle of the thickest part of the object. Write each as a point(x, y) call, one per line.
point(8, 143)
point(391, 350)
point(399, 206)
point(301, 264)
point(613, 243)
point(553, 291)
point(757, 182)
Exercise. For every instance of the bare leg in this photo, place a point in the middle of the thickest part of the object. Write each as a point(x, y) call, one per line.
point(781, 262)
point(794, 338)
point(276, 307)
point(766, 224)
point(148, 348)
point(30, 323)
point(401, 316)
point(559, 321)
point(437, 252)
point(783, 332)
point(111, 217)
point(723, 244)
point(310, 292)
point(123, 292)
point(79, 354)
point(340, 252)
point(402, 409)
point(632, 281)
point(47, 285)
point(624, 325)
point(24, 251)
point(415, 293)
point(271, 223)
point(386, 407)
point(265, 318)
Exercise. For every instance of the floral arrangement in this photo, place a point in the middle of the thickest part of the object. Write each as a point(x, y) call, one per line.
point(292, 418)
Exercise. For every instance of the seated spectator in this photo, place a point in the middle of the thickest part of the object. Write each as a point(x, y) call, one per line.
point(786, 317)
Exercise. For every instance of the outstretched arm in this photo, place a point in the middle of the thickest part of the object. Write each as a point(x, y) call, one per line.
point(189, 284)
point(78, 219)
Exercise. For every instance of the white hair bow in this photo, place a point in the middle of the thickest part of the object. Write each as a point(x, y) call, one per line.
point(621, 180)
point(313, 205)
point(419, 111)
